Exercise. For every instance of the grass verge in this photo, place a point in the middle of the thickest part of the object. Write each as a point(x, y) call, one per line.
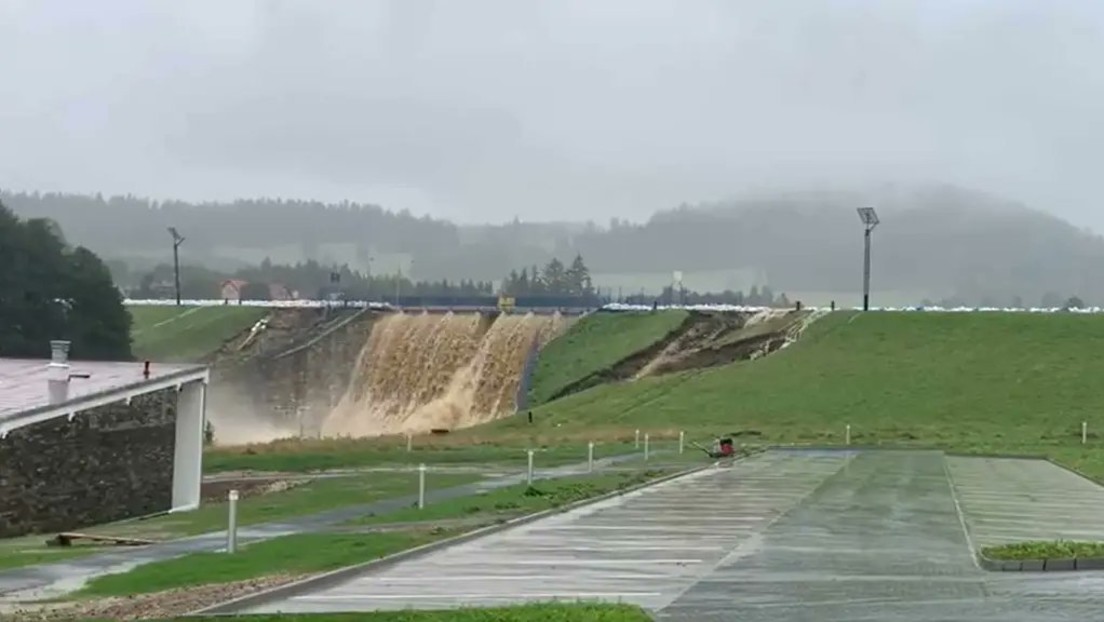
point(295, 554)
point(539, 612)
point(316, 496)
point(176, 334)
point(304, 455)
point(594, 343)
point(512, 501)
point(1055, 549)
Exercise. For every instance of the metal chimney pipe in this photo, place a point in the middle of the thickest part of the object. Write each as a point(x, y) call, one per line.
point(57, 372)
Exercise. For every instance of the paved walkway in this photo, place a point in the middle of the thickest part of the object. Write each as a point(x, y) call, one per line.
point(59, 578)
point(788, 535)
point(623, 548)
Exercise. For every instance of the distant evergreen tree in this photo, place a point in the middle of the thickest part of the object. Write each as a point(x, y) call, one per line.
point(578, 278)
point(555, 278)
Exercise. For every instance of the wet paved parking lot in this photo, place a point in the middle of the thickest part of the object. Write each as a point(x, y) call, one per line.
point(787, 535)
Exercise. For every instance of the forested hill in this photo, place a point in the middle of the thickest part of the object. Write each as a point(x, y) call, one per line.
point(943, 241)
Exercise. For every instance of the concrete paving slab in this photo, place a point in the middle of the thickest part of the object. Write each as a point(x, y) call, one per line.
point(646, 547)
point(887, 539)
point(877, 540)
point(1006, 500)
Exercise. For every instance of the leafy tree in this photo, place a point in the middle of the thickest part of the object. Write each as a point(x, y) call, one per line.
point(49, 291)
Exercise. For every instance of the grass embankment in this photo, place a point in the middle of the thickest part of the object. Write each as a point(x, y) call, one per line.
point(972, 382)
point(594, 343)
point(184, 334)
point(310, 553)
point(1058, 549)
point(466, 447)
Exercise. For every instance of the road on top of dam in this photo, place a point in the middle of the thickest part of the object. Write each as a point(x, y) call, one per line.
point(785, 535)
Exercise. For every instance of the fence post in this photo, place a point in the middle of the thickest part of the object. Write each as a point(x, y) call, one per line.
point(232, 524)
point(1084, 432)
point(421, 485)
point(682, 440)
point(409, 442)
point(847, 435)
point(590, 457)
point(636, 441)
point(646, 447)
point(529, 472)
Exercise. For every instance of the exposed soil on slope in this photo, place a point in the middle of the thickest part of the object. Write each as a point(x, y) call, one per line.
point(704, 339)
point(719, 339)
point(279, 331)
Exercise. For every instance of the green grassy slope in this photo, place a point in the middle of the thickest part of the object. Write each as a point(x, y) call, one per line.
point(972, 381)
point(169, 333)
point(594, 343)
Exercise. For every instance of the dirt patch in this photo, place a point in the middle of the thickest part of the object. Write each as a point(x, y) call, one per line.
point(704, 339)
point(159, 605)
point(217, 490)
point(720, 339)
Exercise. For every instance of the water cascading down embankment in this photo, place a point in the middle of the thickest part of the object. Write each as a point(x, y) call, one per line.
point(419, 372)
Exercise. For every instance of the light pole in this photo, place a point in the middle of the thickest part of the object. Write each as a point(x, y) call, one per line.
point(177, 241)
point(870, 220)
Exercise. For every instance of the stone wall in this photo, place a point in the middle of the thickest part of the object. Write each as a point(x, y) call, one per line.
point(310, 377)
point(107, 464)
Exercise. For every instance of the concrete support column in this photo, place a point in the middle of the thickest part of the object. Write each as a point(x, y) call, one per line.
point(191, 403)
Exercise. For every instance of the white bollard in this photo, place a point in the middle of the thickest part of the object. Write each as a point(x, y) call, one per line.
point(529, 472)
point(636, 441)
point(232, 524)
point(1084, 432)
point(590, 457)
point(409, 442)
point(421, 486)
point(645, 447)
point(847, 435)
point(682, 441)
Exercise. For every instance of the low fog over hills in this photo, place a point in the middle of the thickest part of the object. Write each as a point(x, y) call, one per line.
point(487, 111)
point(935, 242)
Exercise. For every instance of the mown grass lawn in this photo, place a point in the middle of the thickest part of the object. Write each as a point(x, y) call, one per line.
point(294, 554)
point(520, 499)
point(317, 496)
point(970, 382)
point(187, 334)
point(466, 447)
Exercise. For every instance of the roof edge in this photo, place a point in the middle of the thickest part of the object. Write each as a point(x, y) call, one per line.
point(70, 408)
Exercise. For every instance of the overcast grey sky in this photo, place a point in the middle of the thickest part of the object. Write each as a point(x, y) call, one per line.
point(485, 109)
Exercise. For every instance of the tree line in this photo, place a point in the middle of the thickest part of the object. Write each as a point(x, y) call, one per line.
point(553, 280)
point(940, 242)
point(306, 280)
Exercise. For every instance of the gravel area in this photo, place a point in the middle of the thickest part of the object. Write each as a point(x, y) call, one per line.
point(145, 606)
